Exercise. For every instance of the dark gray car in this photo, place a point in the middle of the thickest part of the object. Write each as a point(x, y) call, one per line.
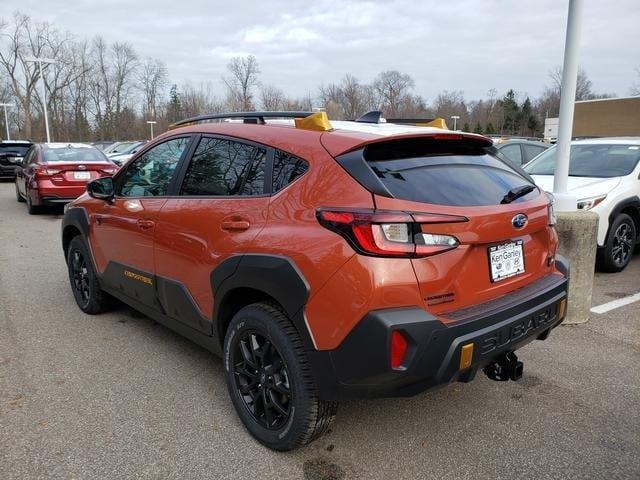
point(520, 151)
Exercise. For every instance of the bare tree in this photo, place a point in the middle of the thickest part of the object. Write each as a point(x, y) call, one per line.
point(272, 98)
point(583, 84)
point(20, 39)
point(152, 81)
point(391, 86)
point(242, 79)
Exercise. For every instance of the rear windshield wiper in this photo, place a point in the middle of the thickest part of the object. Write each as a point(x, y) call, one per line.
point(517, 192)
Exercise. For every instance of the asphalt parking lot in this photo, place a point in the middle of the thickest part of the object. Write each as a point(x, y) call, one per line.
point(119, 396)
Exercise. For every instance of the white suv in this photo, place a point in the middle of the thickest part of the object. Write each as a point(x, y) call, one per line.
point(604, 174)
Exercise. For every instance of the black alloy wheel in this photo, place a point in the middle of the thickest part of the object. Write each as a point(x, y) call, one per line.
point(262, 380)
point(623, 241)
point(80, 277)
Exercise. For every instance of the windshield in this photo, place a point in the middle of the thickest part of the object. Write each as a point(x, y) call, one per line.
point(590, 160)
point(79, 155)
point(14, 150)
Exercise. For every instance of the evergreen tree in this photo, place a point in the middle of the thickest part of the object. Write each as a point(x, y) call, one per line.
point(478, 128)
point(174, 108)
point(511, 112)
point(466, 127)
point(490, 130)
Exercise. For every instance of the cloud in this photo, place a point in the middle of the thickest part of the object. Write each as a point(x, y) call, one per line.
point(468, 45)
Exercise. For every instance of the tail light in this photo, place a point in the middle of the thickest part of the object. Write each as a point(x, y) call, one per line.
point(390, 234)
point(47, 172)
point(109, 170)
point(398, 347)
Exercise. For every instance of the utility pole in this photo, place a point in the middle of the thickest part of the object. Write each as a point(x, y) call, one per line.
point(6, 117)
point(40, 61)
point(151, 124)
point(565, 201)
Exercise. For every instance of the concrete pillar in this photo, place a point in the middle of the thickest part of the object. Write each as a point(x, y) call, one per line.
point(578, 232)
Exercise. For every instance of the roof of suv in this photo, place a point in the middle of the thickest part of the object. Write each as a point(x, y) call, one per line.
point(608, 140)
point(345, 136)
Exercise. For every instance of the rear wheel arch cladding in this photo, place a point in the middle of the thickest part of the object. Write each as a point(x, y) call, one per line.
point(276, 277)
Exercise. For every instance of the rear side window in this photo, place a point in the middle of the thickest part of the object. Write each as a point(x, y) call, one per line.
point(286, 168)
point(444, 172)
point(512, 152)
point(221, 167)
point(531, 151)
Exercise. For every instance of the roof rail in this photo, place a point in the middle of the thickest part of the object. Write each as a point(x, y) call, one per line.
point(376, 116)
point(247, 117)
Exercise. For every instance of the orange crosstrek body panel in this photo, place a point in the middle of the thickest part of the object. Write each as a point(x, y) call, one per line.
point(186, 238)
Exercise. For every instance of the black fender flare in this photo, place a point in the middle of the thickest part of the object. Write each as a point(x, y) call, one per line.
point(274, 275)
point(628, 202)
point(75, 217)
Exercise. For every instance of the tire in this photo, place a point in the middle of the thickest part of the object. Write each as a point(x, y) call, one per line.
point(31, 208)
point(19, 197)
point(83, 279)
point(302, 416)
point(618, 249)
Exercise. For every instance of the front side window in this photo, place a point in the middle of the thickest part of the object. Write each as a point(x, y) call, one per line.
point(286, 168)
point(150, 175)
point(222, 167)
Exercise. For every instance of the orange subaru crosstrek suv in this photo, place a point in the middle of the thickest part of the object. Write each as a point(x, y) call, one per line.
point(324, 261)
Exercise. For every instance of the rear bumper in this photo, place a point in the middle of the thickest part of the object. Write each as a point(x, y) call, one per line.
point(360, 366)
point(51, 193)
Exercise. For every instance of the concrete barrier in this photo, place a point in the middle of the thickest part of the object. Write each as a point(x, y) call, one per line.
point(578, 232)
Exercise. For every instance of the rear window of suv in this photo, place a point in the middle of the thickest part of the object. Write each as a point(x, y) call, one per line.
point(444, 172)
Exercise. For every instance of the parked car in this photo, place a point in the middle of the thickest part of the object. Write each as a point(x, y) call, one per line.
point(604, 174)
point(11, 154)
point(520, 151)
point(55, 173)
point(121, 158)
point(102, 144)
point(119, 147)
point(323, 261)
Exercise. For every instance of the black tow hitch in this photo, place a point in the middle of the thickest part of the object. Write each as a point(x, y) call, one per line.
point(505, 367)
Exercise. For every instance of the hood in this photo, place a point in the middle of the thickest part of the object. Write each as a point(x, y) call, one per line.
point(582, 187)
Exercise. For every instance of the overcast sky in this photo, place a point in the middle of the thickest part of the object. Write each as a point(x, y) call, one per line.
point(468, 45)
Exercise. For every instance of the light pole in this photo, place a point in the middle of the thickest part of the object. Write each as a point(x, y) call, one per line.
point(564, 201)
point(151, 124)
point(6, 117)
point(40, 61)
point(455, 119)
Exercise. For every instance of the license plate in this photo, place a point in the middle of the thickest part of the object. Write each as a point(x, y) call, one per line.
point(506, 260)
point(81, 175)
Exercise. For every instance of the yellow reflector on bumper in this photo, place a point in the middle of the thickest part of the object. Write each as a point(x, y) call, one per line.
point(466, 356)
point(562, 309)
point(318, 121)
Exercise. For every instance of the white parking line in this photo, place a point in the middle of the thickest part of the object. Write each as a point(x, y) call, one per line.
point(620, 302)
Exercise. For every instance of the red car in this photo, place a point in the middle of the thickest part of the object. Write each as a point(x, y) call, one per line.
point(54, 173)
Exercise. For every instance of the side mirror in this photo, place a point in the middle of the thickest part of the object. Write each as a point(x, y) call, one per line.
point(101, 188)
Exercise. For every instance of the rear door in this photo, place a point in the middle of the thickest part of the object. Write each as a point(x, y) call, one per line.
point(218, 207)
point(505, 242)
point(122, 231)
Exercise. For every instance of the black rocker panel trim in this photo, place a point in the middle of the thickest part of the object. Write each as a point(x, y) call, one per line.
point(131, 282)
point(161, 294)
point(205, 341)
point(273, 275)
point(178, 303)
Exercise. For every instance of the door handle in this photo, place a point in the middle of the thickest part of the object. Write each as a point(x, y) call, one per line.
point(145, 224)
point(237, 225)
